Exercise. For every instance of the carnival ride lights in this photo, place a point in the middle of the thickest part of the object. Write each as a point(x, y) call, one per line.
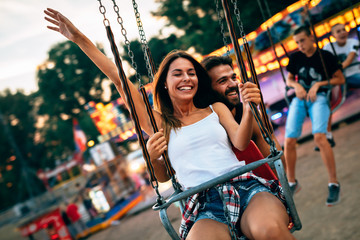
point(266, 61)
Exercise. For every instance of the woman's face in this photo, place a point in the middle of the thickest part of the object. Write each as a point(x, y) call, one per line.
point(181, 80)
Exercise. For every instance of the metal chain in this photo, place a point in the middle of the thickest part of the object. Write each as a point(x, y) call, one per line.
point(238, 18)
point(103, 11)
point(220, 19)
point(144, 44)
point(127, 42)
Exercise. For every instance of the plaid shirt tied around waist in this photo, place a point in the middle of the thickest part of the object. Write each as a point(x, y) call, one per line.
point(231, 200)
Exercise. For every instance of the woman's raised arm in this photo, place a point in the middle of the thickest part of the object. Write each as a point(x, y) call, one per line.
point(67, 29)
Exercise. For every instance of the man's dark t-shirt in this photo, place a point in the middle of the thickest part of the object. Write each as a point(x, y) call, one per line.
point(239, 112)
point(309, 70)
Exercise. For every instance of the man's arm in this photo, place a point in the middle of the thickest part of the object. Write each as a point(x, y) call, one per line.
point(299, 90)
point(336, 79)
point(348, 60)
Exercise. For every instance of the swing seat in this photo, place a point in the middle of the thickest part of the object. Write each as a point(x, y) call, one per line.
point(337, 97)
point(254, 162)
point(252, 154)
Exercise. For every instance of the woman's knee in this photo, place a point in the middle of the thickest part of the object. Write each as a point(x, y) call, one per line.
point(265, 218)
point(209, 229)
point(270, 230)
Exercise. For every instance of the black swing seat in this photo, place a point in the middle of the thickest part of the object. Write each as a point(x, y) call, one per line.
point(181, 196)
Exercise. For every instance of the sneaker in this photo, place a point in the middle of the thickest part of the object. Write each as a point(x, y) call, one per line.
point(334, 195)
point(295, 188)
point(330, 140)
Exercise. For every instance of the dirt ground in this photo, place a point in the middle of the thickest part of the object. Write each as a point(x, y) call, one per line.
point(340, 222)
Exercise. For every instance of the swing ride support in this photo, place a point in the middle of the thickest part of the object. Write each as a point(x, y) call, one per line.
point(274, 49)
point(241, 64)
point(279, 166)
point(129, 100)
point(150, 65)
point(287, 194)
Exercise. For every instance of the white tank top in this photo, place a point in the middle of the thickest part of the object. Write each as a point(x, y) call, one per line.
point(201, 151)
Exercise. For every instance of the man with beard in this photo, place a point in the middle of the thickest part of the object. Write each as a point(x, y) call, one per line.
point(224, 82)
point(308, 78)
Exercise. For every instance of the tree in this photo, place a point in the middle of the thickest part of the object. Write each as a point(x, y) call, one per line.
point(17, 151)
point(199, 22)
point(67, 80)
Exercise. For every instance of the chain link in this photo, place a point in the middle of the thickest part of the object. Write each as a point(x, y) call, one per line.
point(103, 11)
point(220, 19)
point(144, 43)
point(238, 18)
point(127, 42)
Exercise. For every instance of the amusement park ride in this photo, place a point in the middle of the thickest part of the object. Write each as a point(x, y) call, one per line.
point(260, 57)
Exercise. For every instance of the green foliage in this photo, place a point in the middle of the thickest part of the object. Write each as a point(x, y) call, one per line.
point(198, 19)
point(67, 81)
point(17, 151)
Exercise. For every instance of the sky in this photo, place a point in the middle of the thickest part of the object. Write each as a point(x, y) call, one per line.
point(25, 40)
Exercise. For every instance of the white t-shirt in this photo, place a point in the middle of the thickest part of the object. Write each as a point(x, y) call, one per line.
point(342, 52)
point(201, 151)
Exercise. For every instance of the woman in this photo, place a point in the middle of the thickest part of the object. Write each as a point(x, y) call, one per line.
point(197, 137)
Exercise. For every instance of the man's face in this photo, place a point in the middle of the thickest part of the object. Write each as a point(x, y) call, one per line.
point(225, 83)
point(339, 32)
point(305, 43)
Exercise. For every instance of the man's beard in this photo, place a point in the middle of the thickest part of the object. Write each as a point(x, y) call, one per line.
point(223, 99)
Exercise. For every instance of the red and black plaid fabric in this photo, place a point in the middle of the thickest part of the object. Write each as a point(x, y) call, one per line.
point(232, 201)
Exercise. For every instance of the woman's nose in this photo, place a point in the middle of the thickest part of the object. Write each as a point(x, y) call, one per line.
point(186, 77)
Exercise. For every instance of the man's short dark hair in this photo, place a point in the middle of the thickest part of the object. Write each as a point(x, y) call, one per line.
point(210, 62)
point(304, 29)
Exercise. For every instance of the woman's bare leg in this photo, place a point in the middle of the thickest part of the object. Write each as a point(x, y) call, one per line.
point(210, 230)
point(265, 218)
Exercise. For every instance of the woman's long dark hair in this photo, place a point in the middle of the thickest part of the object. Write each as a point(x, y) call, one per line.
point(162, 101)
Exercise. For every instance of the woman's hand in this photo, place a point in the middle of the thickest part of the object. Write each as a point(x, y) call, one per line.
point(63, 25)
point(249, 92)
point(156, 145)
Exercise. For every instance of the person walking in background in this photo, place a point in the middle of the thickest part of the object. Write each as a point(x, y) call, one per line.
point(88, 204)
point(67, 221)
point(73, 214)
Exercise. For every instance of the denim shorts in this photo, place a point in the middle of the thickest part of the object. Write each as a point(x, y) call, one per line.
point(211, 205)
point(319, 112)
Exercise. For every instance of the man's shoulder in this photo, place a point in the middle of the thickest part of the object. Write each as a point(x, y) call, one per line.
point(352, 41)
point(327, 47)
point(297, 54)
point(326, 53)
point(238, 112)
